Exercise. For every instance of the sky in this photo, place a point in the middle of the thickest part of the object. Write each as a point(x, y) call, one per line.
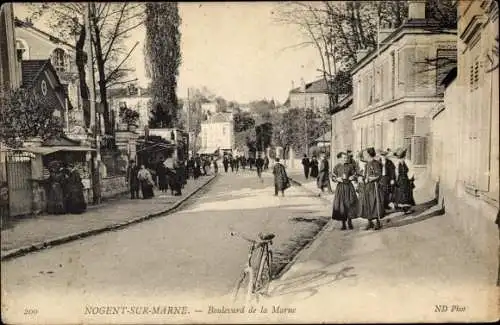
point(234, 49)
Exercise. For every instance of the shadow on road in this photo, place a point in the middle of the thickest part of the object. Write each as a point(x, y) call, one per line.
point(308, 284)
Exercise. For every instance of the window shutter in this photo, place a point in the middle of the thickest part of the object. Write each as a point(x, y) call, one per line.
point(419, 150)
point(409, 126)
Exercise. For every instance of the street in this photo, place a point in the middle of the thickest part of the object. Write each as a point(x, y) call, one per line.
point(189, 254)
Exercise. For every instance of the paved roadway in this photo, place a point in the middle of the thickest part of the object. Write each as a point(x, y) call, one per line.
point(175, 259)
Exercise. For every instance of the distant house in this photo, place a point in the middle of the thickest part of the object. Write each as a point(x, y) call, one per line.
point(133, 97)
point(313, 95)
point(41, 77)
point(217, 133)
point(209, 108)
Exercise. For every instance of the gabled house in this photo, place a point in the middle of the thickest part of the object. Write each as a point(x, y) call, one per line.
point(41, 77)
point(313, 95)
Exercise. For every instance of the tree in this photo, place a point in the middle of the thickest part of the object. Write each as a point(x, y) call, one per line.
point(163, 58)
point(243, 121)
point(222, 104)
point(24, 115)
point(111, 24)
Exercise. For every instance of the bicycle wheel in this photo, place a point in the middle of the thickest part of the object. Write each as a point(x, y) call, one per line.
point(265, 274)
point(243, 290)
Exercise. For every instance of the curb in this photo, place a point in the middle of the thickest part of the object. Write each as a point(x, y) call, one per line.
point(17, 252)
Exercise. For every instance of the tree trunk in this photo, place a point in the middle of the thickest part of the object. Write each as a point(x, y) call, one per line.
point(102, 81)
point(81, 60)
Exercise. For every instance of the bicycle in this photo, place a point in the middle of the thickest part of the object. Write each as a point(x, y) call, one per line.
point(257, 285)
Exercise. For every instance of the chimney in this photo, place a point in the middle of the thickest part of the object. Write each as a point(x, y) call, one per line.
point(416, 9)
point(360, 54)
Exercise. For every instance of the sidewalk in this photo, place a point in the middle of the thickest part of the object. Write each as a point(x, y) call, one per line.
point(397, 274)
point(310, 185)
point(33, 233)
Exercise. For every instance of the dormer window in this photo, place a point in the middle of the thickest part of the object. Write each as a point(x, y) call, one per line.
point(59, 61)
point(22, 50)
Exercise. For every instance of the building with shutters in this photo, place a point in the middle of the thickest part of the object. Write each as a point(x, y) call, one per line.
point(133, 97)
point(313, 95)
point(465, 132)
point(396, 86)
point(342, 132)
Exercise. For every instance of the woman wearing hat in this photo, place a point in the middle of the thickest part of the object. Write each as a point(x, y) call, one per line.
point(403, 192)
point(373, 200)
point(388, 178)
point(345, 201)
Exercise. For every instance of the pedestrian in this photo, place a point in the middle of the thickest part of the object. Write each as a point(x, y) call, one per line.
point(132, 180)
point(281, 181)
point(306, 166)
point(373, 205)
point(56, 181)
point(251, 161)
point(231, 163)
point(177, 176)
point(237, 163)
point(161, 171)
point(225, 162)
point(259, 164)
point(215, 165)
point(345, 201)
point(403, 192)
point(360, 184)
point(197, 166)
point(206, 166)
point(244, 162)
point(388, 178)
point(323, 179)
point(266, 163)
point(75, 199)
point(146, 182)
point(314, 167)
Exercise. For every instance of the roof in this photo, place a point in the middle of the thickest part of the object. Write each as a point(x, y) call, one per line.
point(52, 38)
point(343, 104)
point(427, 24)
point(450, 76)
point(123, 93)
point(317, 87)
point(31, 69)
point(48, 150)
point(220, 118)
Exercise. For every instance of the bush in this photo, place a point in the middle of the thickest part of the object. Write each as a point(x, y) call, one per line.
point(25, 115)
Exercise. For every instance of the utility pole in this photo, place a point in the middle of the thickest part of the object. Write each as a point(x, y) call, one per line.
point(96, 157)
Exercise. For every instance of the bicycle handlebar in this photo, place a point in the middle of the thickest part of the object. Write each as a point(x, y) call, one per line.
point(263, 238)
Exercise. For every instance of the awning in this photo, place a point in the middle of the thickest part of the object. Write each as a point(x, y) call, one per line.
point(48, 150)
point(158, 147)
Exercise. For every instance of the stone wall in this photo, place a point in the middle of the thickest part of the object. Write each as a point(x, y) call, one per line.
point(112, 186)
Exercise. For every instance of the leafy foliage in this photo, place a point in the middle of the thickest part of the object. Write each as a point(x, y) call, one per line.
point(111, 24)
point(129, 116)
point(25, 115)
point(163, 58)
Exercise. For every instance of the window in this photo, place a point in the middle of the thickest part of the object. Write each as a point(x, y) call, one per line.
point(22, 50)
point(59, 60)
point(474, 74)
point(224, 130)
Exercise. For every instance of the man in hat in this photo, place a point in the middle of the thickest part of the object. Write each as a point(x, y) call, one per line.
point(323, 179)
point(281, 181)
point(132, 180)
point(373, 204)
point(305, 164)
point(259, 164)
point(388, 178)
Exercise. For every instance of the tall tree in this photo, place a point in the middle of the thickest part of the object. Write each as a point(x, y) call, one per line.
point(163, 58)
point(111, 24)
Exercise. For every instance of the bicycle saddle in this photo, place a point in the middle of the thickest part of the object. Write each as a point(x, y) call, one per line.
point(266, 236)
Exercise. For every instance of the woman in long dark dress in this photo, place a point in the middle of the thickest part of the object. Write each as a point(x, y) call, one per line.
point(373, 200)
point(314, 167)
point(75, 198)
point(388, 178)
point(403, 192)
point(161, 171)
point(55, 197)
point(345, 201)
point(281, 181)
point(360, 165)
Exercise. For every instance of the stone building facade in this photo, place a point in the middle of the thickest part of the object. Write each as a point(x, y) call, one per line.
point(312, 95)
point(342, 132)
point(217, 133)
point(465, 155)
point(396, 86)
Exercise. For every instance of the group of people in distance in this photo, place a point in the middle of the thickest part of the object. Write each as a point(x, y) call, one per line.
point(169, 173)
point(234, 163)
point(367, 185)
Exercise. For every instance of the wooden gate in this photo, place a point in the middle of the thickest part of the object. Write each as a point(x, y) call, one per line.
point(19, 183)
